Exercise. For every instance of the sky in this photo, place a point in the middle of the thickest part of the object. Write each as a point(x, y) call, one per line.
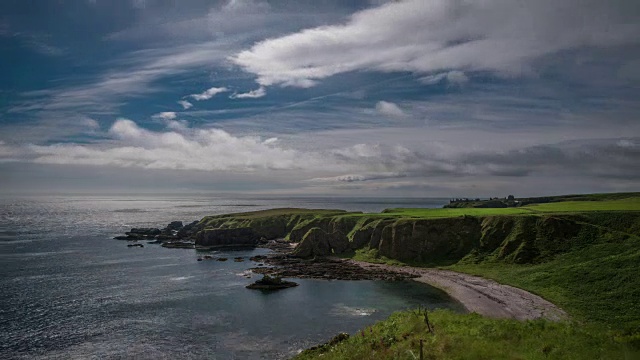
point(412, 98)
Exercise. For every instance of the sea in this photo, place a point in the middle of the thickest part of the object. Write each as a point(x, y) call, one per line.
point(69, 291)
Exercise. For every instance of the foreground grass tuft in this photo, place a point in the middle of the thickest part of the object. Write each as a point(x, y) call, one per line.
point(472, 336)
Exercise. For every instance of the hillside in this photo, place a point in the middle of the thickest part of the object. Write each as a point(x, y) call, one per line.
point(581, 254)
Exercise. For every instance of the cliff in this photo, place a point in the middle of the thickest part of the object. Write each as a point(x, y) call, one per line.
point(247, 229)
point(435, 241)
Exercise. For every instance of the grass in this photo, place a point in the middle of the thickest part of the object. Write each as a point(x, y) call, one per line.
point(472, 336)
point(445, 213)
point(627, 204)
point(595, 280)
point(630, 204)
point(597, 284)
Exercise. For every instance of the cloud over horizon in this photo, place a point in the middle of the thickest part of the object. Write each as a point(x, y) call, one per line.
point(365, 96)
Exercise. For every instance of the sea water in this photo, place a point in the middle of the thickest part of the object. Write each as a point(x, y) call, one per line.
point(68, 291)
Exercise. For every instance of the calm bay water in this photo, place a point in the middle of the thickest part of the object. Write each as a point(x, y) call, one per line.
point(69, 291)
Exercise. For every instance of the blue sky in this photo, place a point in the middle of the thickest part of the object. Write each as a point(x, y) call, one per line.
point(341, 98)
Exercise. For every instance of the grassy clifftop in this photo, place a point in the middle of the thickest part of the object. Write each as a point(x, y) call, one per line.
point(583, 255)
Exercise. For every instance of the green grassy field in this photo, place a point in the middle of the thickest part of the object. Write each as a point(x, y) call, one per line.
point(598, 284)
point(628, 204)
point(445, 213)
point(596, 281)
point(472, 337)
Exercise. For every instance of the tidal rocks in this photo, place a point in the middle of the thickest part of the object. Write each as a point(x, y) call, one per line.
point(175, 225)
point(172, 232)
point(135, 245)
point(258, 258)
point(271, 283)
point(179, 244)
point(328, 269)
point(140, 234)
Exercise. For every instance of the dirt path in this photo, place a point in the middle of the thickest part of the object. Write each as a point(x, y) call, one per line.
point(485, 297)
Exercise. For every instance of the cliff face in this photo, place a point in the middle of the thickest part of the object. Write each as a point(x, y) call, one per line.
point(248, 228)
point(517, 239)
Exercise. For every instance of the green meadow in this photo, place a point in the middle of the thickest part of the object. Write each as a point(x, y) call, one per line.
point(627, 204)
point(595, 279)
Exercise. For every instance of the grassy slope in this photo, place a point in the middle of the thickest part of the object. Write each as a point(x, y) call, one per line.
point(472, 337)
point(598, 284)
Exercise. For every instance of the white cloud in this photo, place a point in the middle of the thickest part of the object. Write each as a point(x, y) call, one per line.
point(270, 141)
point(90, 123)
point(359, 177)
point(167, 115)
point(178, 125)
point(244, 6)
point(426, 36)
point(185, 104)
point(206, 150)
point(253, 94)
point(389, 109)
point(208, 94)
point(454, 77)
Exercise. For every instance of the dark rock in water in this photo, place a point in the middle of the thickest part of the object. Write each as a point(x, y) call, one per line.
point(199, 259)
point(208, 257)
point(175, 225)
point(187, 230)
point(327, 269)
point(258, 258)
point(144, 231)
point(178, 245)
point(121, 238)
point(226, 237)
point(222, 259)
point(238, 259)
point(135, 245)
point(271, 283)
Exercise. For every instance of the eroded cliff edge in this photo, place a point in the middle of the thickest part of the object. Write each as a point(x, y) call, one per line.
point(437, 241)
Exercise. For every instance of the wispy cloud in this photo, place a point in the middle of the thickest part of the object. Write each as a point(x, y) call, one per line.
point(426, 36)
point(389, 109)
point(208, 94)
point(205, 150)
point(452, 77)
point(167, 115)
point(185, 104)
point(253, 94)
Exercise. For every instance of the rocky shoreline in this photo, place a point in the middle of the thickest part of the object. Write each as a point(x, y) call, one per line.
point(479, 295)
point(286, 266)
point(280, 263)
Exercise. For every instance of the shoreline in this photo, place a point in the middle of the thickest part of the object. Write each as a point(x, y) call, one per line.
point(483, 296)
point(476, 294)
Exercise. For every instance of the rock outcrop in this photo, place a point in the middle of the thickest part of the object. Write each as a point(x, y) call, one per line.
point(238, 237)
point(437, 241)
point(271, 283)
